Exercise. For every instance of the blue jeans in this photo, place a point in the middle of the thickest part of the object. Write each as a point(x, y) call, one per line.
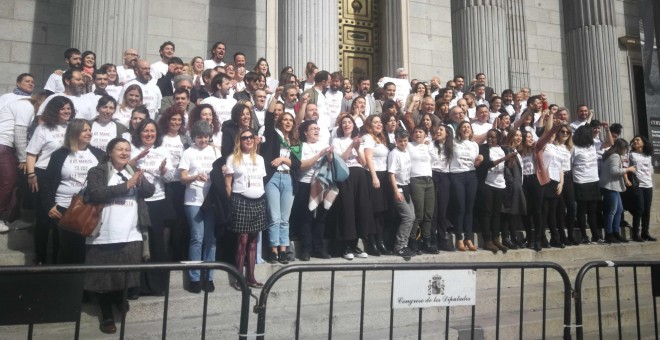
point(612, 210)
point(463, 192)
point(202, 238)
point(279, 198)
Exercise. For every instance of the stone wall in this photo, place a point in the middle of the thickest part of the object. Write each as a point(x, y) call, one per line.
point(430, 43)
point(33, 38)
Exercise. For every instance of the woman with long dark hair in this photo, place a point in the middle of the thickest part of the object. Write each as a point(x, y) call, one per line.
point(585, 176)
point(566, 203)
point(640, 157)
point(46, 139)
point(612, 183)
point(443, 143)
point(515, 205)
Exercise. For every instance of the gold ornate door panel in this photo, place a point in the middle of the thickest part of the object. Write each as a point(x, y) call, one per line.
point(358, 38)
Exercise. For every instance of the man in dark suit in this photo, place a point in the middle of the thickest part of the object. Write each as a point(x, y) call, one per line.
point(166, 82)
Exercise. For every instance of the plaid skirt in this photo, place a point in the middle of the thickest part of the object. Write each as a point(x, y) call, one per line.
point(248, 214)
point(113, 253)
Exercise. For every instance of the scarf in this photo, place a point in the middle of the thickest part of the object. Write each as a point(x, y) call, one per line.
point(296, 150)
point(20, 92)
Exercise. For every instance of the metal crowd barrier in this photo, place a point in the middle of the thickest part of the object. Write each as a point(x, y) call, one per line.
point(48, 294)
point(522, 267)
point(652, 293)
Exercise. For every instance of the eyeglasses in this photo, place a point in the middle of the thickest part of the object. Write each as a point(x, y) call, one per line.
point(250, 137)
point(314, 129)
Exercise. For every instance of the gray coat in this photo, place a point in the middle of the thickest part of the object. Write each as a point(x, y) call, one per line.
point(611, 174)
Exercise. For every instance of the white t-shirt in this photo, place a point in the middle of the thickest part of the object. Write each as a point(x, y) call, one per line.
point(174, 148)
point(585, 165)
point(123, 116)
point(151, 166)
point(113, 91)
point(479, 128)
point(198, 161)
point(308, 151)
point(566, 157)
point(576, 124)
point(248, 176)
point(340, 145)
point(151, 96)
point(553, 161)
point(103, 134)
point(125, 74)
point(54, 83)
point(420, 157)
point(9, 98)
point(441, 163)
point(465, 152)
point(73, 175)
point(333, 100)
point(44, 142)
point(221, 107)
point(85, 105)
point(210, 63)
point(644, 166)
point(157, 70)
point(379, 152)
point(16, 113)
point(119, 216)
point(495, 175)
point(398, 163)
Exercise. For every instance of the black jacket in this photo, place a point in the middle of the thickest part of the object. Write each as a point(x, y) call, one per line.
point(216, 200)
point(482, 170)
point(270, 150)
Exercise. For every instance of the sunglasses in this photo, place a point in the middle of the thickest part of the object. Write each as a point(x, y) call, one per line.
point(563, 132)
point(250, 137)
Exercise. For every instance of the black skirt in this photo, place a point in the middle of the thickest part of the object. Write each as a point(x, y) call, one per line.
point(377, 196)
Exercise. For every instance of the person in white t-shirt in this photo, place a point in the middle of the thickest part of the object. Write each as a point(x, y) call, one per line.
point(113, 89)
point(46, 139)
point(585, 176)
point(104, 129)
point(491, 190)
point(121, 241)
point(217, 56)
point(159, 68)
point(66, 175)
point(464, 185)
point(310, 223)
point(131, 99)
point(352, 208)
point(244, 180)
point(398, 168)
point(375, 154)
point(641, 157)
point(443, 145)
point(147, 155)
point(151, 96)
point(195, 166)
point(24, 88)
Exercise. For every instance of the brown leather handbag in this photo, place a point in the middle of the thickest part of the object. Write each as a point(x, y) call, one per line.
point(81, 217)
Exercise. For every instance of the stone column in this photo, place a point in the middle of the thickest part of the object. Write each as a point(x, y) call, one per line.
point(518, 61)
point(394, 28)
point(479, 38)
point(592, 57)
point(309, 31)
point(108, 27)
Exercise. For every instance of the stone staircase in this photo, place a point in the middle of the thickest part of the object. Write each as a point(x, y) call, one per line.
point(144, 321)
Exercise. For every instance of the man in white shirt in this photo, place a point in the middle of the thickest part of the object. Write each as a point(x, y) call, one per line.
point(24, 88)
point(390, 93)
point(74, 89)
point(126, 71)
point(217, 56)
point(583, 117)
point(480, 97)
point(73, 59)
point(260, 105)
point(507, 101)
point(160, 68)
point(221, 101)
point(317, 95)
point(459, 80)
point(151, 96)
point(481, 125)
point(334, 95)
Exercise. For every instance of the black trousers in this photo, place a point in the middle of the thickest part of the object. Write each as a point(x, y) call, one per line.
point(310, 224)
point(490, 206)
point(351, 211)
point(440, 219)
point(534, 196)
point(44, 226)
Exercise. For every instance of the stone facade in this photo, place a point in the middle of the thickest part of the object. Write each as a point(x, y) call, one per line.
point(35, 34)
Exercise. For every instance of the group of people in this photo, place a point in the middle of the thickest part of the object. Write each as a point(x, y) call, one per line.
point(198, 161)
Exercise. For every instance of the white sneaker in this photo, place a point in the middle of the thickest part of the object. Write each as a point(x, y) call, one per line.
point(348, 254)
point(20, 224)
point(359, 253)
point(3, 227)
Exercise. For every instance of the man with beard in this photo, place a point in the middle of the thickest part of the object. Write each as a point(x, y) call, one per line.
point(74, 89)
point(459, 80)
point(24, 88)
point(435, 86)
point(206, 90)
point(507, 101)
point(217, 56)
point(390, 93)
point(239, 59)
point(362, 88)
point(100, 83)
point(126, 71)
point(180, 101)
point(334, 95)
point(166, 82)
point(73, 59)
point(290, 98)
point(221, 101)
point(151, 96)
point(160, 68)
point(251, 79)
point(583, 117)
